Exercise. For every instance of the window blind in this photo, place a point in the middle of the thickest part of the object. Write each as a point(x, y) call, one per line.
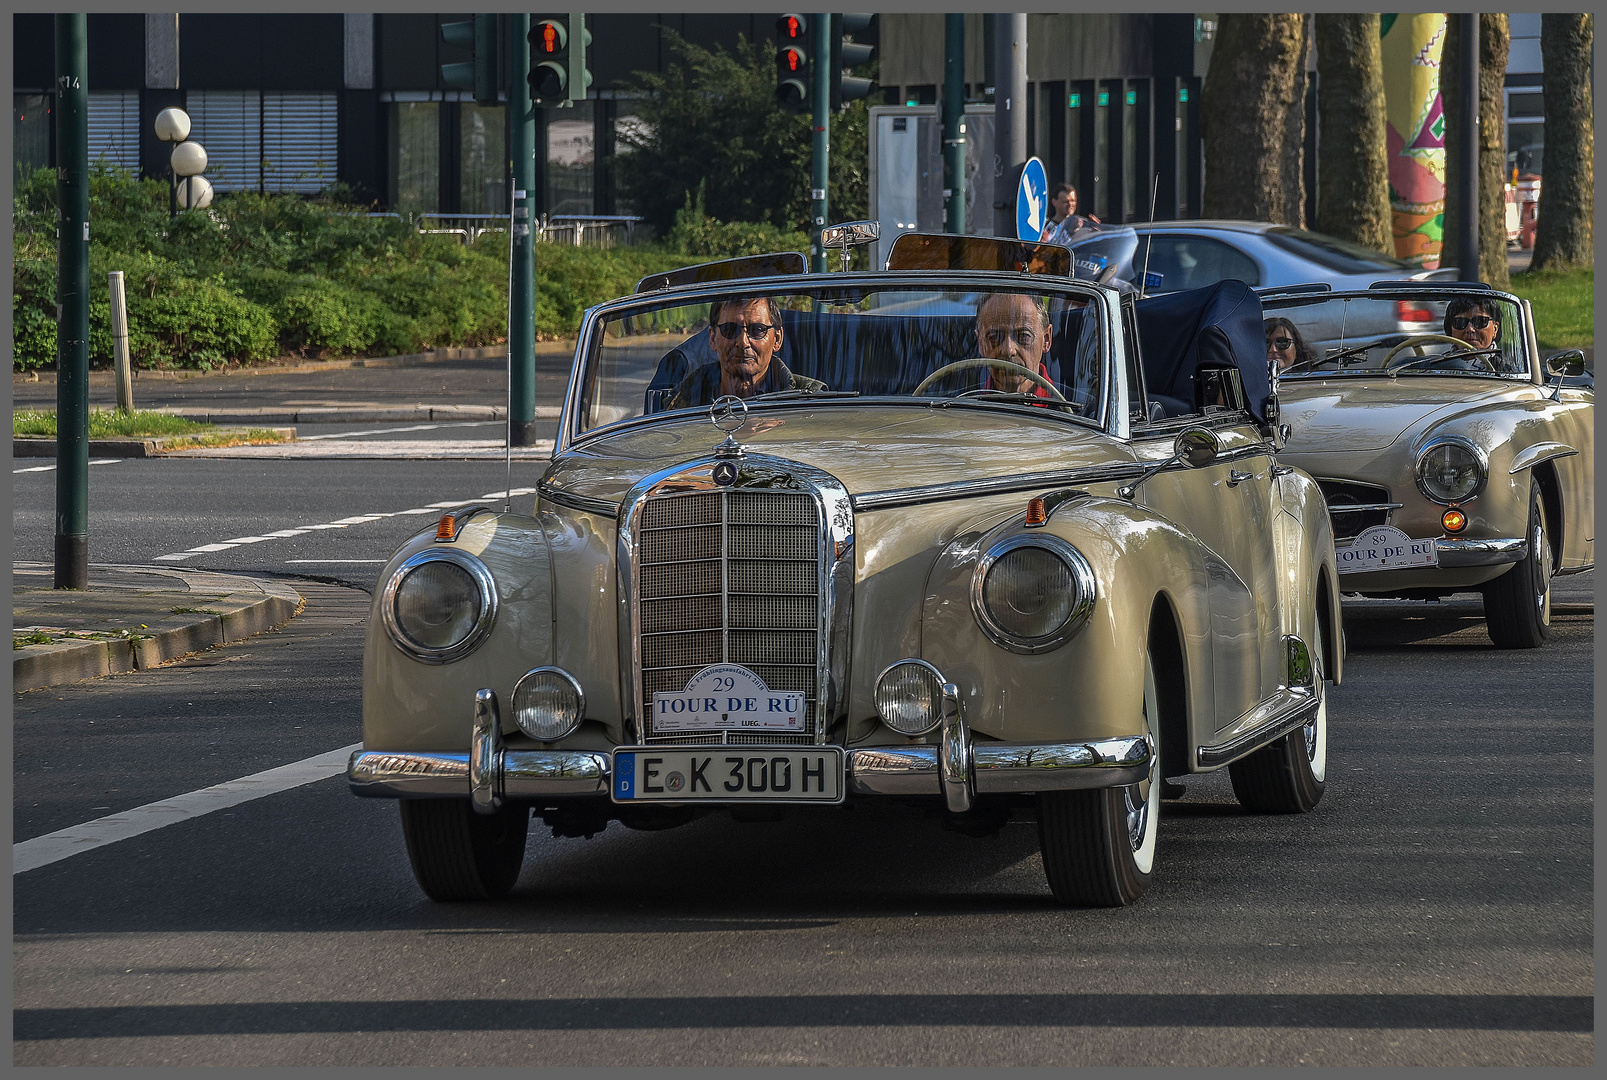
point(228, 123)
point(114, 128)
point(299, 141)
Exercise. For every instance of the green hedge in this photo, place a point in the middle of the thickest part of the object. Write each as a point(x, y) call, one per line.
point(256, 276)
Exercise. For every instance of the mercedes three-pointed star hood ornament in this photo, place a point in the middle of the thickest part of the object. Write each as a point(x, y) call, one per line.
point(728, 413)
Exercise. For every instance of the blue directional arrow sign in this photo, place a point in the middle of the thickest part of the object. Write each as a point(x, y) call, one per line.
point(1032, 201)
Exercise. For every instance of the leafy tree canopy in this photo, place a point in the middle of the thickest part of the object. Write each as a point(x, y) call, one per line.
point(710, 131)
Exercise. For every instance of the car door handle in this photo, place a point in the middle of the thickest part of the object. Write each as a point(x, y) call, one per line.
point(1235, 477)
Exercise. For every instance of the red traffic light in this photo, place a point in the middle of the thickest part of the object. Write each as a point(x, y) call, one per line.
point(548, 37)
point(790, 28)
point(793, 60)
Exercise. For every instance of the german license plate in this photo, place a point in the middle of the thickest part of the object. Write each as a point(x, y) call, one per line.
point(1384, 547)
point(728, 774)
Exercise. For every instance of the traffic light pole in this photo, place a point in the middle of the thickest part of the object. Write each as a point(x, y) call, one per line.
point(820, 165)
point(522, 274)
point(72, 292)
point(954, 123)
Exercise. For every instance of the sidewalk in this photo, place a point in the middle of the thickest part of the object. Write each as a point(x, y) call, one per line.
point(132, 618)
point(443, 385)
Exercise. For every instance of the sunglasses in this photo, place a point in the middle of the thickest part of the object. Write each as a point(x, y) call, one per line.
point(756, 330)
point(1478, 322)
point(1281, 343)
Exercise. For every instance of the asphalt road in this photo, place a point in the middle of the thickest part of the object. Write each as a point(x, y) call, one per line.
point(1436, 908)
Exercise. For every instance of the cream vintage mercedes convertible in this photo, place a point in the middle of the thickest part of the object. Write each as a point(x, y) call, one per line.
point(954, 538)
point(1452, 459)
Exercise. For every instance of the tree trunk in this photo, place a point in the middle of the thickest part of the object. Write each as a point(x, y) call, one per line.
point(1353, 174)
point(1565, 235)
point(1253, 152)
point(1494, 40)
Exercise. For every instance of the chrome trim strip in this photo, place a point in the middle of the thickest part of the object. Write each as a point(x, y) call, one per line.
point(477, 633)
point(1288, 709)
point(1492, 552)
point(584, 503)
point(1575, 570)
point(1001, 768)
point(1359, 507)
point(999, 485)
point(954, 760)
point(1542, 451)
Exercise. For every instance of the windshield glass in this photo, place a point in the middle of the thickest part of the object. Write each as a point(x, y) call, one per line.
point(1334, 253)
point(1010, 348)
point(1472, 335)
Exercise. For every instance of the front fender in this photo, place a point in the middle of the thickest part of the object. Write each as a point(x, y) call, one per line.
point(1086, 688)
point(412, 705)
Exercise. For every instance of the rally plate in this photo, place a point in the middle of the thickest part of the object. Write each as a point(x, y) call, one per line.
point(717, 774)
point(1384, 547)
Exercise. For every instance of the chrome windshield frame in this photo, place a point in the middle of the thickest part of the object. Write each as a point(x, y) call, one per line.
point(1110, 415)
point(1435, 292)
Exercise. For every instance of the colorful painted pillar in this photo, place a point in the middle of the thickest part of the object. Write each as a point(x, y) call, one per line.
point(1415, 133)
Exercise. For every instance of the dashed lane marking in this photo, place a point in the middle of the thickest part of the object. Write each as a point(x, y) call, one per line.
point(394, 430)
point(52, 468)
point(343, 523)
point(65, 843)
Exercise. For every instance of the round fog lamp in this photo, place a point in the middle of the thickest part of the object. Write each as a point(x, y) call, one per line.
point(909, 697)
point(548, 704)
point(1454, 520)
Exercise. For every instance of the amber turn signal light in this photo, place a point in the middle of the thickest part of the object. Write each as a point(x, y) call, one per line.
point(1454, 520)
point(1036, 515)
point(447, 529)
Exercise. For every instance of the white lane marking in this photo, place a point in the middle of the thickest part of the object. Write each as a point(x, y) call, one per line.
point(65, 843)
point(327, 561)
point(52, 468)
point(393, 430)
point(360, 519)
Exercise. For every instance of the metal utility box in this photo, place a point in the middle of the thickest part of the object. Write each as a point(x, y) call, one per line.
point(906, 171)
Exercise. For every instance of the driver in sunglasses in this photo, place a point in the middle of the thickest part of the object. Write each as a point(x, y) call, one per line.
point(745, 336)
point(1477, 323)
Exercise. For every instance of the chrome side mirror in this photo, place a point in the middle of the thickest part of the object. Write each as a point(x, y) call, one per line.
point(1196, 447)
point(1193, 449)
point(1566, 364)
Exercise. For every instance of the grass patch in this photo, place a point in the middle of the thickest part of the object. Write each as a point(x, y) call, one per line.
point(1564, 303)
point(194, 611)
point(241, 437)
point(19, 641)
point(109, 425)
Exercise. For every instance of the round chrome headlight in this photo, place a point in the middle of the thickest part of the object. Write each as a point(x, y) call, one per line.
point(439, 605)
point(1031, 593)
point(909, 697)
point(1451, 470)
point(548, 703)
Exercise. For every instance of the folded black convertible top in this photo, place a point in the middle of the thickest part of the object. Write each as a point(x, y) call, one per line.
point(1217, 326)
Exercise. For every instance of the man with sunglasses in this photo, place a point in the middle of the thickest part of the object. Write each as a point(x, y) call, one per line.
point(745, 336)
point(1477, 324)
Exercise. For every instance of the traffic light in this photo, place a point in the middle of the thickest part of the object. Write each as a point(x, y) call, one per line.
point(792, 63)
point(559, 73)
point(847, 53)
point(479, 74)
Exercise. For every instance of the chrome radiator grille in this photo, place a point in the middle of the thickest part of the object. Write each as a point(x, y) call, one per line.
point(730, 577)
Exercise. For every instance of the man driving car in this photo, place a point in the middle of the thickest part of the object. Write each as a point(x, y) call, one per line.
point(745, 336)
point(1014, 327)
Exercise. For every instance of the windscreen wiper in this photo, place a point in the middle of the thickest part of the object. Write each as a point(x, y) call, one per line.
point(782, 395)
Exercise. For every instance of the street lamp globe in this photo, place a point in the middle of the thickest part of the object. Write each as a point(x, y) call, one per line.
point(173, 125)
point(188, 159)
point(195, 193)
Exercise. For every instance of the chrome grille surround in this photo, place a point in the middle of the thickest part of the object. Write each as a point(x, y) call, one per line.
point(759, 572)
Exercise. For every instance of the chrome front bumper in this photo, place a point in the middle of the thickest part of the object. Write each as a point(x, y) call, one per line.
point(957, 768)
point(1492, 552)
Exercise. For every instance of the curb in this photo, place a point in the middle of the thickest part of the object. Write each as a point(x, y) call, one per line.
point(482, 352)
point(155, 446)
point(240, 615)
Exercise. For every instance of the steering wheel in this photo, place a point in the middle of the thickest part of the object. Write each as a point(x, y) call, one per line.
point(982, 361)
point(1417, 341)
